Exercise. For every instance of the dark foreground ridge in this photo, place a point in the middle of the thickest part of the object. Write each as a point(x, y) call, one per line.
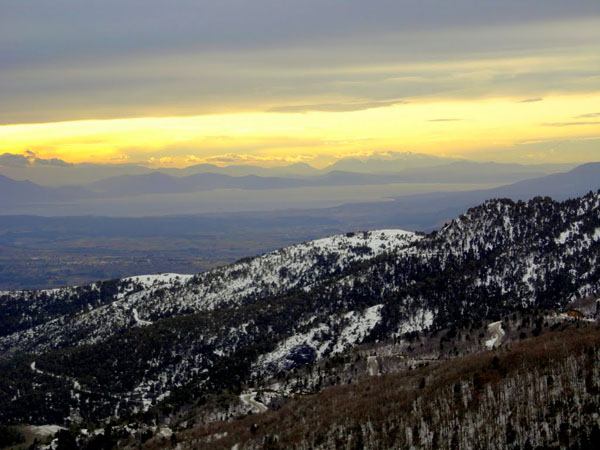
point(542, 392)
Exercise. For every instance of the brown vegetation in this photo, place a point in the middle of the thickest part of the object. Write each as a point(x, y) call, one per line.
point(540, 391)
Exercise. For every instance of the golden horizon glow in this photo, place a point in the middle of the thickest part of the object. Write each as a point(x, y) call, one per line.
point(442, 127)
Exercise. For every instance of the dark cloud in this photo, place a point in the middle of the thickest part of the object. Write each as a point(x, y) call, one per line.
point(224, 159)
point(336, 107)
point(143, 23)
point(532, 100)
point(569, 124)
point(34, 159)
point(59, 30)
point(13, 160)
point(588, 116)
point(137, 58)
point(16, 160)
point(52, 162)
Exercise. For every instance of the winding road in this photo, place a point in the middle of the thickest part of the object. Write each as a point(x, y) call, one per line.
point(250, 400)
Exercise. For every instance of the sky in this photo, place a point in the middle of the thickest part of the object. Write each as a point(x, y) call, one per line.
point(174, 83)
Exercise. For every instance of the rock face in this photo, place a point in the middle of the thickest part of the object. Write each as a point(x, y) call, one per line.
point(138, 341)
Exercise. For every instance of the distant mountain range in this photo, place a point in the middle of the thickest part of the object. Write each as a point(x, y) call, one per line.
point(431, 210)
point(22, 192)
point(395, 163)
point(459, 172)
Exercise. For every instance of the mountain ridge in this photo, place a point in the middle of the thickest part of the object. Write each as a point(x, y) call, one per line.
point(212, 178)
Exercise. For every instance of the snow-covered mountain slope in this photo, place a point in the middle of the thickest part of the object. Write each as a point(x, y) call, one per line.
point(181, 338)
point(497, 257)
point(142, 300)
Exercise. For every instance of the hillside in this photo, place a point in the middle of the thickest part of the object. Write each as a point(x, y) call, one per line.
point(538, 393)
point(183, 340)
point(40, 320)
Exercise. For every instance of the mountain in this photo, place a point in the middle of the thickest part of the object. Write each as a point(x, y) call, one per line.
point(270, 274)
point(124, 185)
point(15, 192)
point(559, 185)
point(70, 174)
point(456, 172)
point(397, 161)
point(429, 165)
point(161, 183)
point(478, 172)
point(83, 173)
point(162, 343)
point(160, 193)
point(431, 210)
point(19, 191)
point(240, 170)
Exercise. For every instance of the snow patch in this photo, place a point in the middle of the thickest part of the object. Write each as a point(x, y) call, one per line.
point(164, 432)
point(357, 330)
point(421, 320)
point(372, 366)
point(568, 233)
point(497, 334)
point(161, 278)
point(44, 430)
point(318, 340)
